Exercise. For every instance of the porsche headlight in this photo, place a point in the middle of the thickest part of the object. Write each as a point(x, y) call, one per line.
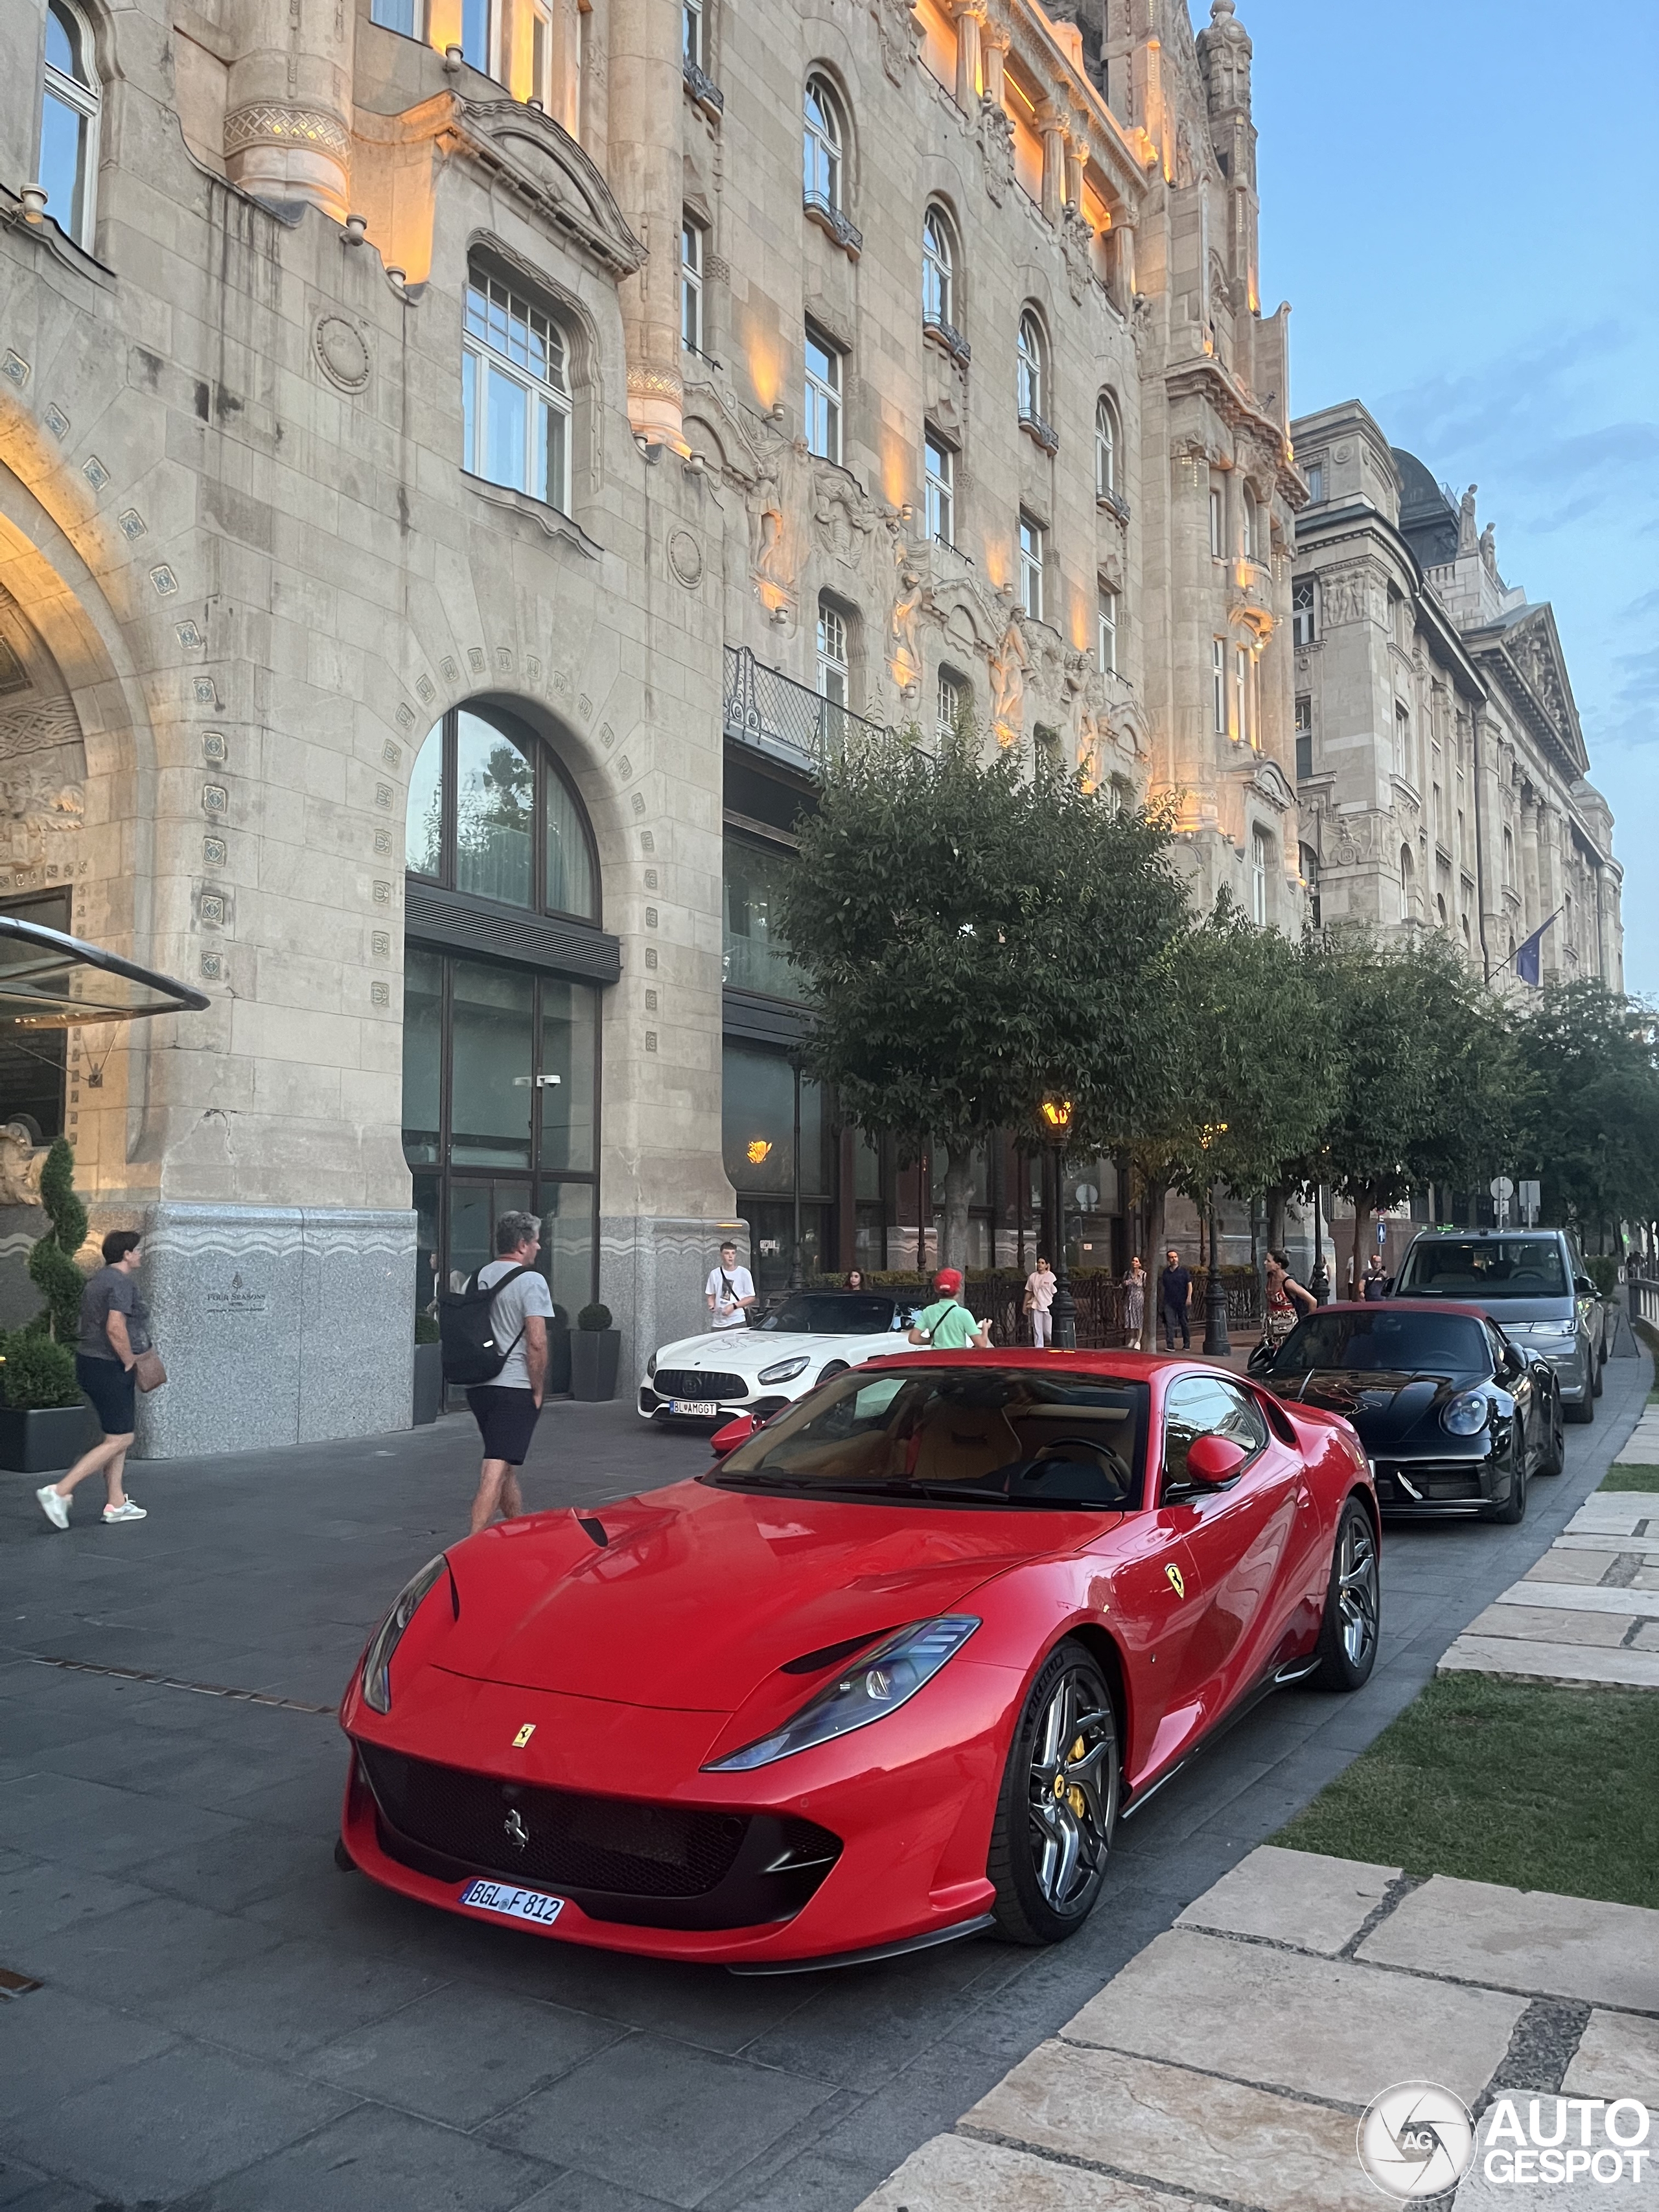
point(785, 1370)
point(377, 1660)
point(1466, 1414)
point(880, 1683)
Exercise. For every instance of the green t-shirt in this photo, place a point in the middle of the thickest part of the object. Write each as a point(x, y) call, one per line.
point(951, 1326)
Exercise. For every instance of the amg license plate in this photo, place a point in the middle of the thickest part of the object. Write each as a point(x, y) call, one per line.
point(513, 1904)
point(701, 1409)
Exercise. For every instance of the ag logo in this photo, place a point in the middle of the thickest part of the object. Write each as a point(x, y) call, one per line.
point(1416, 2140)
point(1177, 1581)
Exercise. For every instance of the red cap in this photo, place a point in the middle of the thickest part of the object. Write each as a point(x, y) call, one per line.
point(948, 1279)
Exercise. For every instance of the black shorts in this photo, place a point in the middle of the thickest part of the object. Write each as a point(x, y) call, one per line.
point(506, 1418)
point(113, 1392)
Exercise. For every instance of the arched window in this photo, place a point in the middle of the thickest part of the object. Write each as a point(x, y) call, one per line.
point(1261, 861)
point(939, 303)
point(1509, 860)
point(1107, 447)
point(1407, 883)
point(1032, 370)
point(70, 100)
point(822, 147)
point(515, 393)
point(492, 814)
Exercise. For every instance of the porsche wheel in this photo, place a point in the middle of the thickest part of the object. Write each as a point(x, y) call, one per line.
point(1058, 1804)
point(1353, 1605)
point(1514, 1509)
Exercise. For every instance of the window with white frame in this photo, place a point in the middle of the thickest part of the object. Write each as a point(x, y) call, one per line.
point(833, 666)
point(1402, 739)
point(939, 487)
point(1031, 555)
point(511, 40)
point(1109, 441)
point(69, 103)
point(1218, 684)
point(822, 412)
point(692, 285)
point(1509, 860)
point(515, 393)
point(939, 280)
point(1314, 473)
point(1218, 523)
point(1244, 690)
point(822, 140)
point(1261, 861)
point(953, 697)
point(1304, 612)
point(1106, 615)
point(404, 15)
point(1310, 862)
point(1031, 368)
point(692, 33)
point(1252, 526)
point(1303, 735)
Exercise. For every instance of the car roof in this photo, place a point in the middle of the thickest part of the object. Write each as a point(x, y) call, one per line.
point(1404, 1305)
point(1118, 1362)
point(1424, 1234)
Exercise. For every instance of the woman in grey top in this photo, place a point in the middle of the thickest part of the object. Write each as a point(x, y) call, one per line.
point(114, 1330)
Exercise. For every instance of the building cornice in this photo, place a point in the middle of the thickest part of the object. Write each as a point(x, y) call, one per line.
point(1205, 379)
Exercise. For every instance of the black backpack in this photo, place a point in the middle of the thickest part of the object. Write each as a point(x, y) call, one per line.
point(467, 1333)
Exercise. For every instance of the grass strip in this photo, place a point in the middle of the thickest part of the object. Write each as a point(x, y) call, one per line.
point(1621, 1476)
point(1517, 1782)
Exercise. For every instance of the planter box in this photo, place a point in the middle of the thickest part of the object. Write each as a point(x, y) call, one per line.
point(594, 1353)
point(44, 1439)
point(429, 1383)
point(559, 1340)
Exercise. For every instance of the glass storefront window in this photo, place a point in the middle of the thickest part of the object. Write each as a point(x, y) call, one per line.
point(569, 864)
point(423, 833)
point(488, 806)
point(566, 1079)
point(495, 813)
point(491, 1076)
point(567, 1254)
point(759, 1120)
point(423, 1053)
point(754, 960)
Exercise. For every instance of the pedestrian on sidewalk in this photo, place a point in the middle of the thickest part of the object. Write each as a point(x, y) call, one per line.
point(1287, 1300)
point(1376, 1285)
point(507, 1410)
point(1135, 1302)
point(114, 1330)
point(730, 1291)
point(947, 1325)
point(1039, 1303)
point(1175, 1299)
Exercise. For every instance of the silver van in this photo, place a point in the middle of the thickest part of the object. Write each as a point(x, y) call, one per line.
point(1533, 1283)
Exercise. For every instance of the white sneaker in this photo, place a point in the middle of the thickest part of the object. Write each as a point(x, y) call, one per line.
point(126, 1510)
point(55, 1507)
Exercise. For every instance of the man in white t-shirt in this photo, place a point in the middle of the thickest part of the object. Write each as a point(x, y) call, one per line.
point(507, 1409)
point(729, 1292)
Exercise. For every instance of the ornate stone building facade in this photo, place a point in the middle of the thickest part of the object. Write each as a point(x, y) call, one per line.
point(1442, 773)
point(461, 468)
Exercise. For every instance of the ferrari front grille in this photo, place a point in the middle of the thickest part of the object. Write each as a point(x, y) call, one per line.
point(687, 1382)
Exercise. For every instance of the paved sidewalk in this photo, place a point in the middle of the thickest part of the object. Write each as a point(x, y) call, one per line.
point(1229, 2064)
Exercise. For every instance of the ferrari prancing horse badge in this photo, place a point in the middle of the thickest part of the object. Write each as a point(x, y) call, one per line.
point(523, 1735)
point(1177, 1582)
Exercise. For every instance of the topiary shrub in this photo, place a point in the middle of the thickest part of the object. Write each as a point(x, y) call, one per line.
point(36, 1372)
point(594, 1318)
point(1602, 1268)
point(52, 1269)
point(426, 1329)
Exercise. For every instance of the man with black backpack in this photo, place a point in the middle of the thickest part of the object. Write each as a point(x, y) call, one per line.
point(493, 1334)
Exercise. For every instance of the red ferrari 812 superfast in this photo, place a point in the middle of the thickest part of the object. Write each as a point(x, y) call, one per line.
point(889, 1673)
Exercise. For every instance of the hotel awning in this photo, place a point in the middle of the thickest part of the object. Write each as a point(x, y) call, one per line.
point(51, 982)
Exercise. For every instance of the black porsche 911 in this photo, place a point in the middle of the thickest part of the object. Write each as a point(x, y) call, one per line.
point(1454, 1417)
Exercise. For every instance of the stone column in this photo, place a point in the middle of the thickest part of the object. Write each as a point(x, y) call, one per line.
point(1077, 157)
point(288, 103)
point(994, 39)
point(969, 20)
point(644, 144)
point(1052, 123)
point(1123, 231)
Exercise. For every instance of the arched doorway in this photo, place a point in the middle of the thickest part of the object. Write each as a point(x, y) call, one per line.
point(504, 964)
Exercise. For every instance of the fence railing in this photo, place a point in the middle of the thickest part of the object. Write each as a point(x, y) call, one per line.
point(766, 708)
point(998, 1295)
point(1643, 1292)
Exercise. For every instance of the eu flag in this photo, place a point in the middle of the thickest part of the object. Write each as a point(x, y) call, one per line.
point(1529, 959)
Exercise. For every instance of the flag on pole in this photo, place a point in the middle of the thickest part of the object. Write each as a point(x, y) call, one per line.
point(1529, 959)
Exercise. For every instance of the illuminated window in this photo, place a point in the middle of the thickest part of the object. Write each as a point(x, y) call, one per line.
point(1031, 552)
point(821, 146)
point(1031, 369)
point(515, 393)
point(939, 466)
point(1304, 612)
point(938, 270)
point(70, 102)
point(1106, 631)
point(691, 286)
point(1108, 442)
point(822, 408)
point(1218, 683)
point(1244, 688)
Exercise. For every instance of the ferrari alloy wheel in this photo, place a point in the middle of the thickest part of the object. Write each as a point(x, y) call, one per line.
point(1059, 1802)
point(1353, 1605)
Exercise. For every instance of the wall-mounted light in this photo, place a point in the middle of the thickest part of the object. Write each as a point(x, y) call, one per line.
point(397, 277)
point(34, 199)
point(356, 230)
point(695, 465)
point(757, 1150)
point(454, 61)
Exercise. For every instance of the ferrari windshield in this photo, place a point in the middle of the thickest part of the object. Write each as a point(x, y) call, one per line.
point(1481, 1268)
point(835, 1312)
point(960, 1435)
point(1379, 1337)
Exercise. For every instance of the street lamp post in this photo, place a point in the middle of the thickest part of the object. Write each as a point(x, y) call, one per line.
point(794, 1263)
point(1217, 1342)
point(1057, 1113)
point(1320, 1281)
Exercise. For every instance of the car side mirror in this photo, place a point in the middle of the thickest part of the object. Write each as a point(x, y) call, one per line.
point(1213, 1461)
point(1582, 1288)
point(733, 1434)
point(1261, 1357)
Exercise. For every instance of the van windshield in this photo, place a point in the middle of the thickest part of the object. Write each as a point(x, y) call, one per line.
point(1483, 1268)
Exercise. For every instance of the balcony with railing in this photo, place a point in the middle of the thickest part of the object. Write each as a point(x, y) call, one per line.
point(764, 709)
point(702, 89)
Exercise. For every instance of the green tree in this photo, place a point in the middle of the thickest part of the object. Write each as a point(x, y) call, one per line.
point(1590, 1130)
point(972, 942)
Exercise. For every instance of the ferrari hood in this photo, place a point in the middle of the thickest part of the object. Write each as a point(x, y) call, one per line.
point(697, 1595)
point(1383, 1405)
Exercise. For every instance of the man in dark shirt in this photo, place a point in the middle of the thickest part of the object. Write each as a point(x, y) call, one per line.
point(1175, 1299)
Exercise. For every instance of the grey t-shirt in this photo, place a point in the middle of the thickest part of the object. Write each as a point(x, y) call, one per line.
point(111, 1290)
point(529, 1295)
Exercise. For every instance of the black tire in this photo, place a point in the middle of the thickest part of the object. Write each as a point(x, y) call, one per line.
point(1515, 1510)
point(1555, 1447)
point(1597, 1385)
point(1353, 1621)
point(832, 1368)
point(342, 1858)
point(1055, 1813)
point(1583, 1412)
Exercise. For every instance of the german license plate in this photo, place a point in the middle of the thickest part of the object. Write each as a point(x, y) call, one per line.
point(700, 1409)
point(513, 1904)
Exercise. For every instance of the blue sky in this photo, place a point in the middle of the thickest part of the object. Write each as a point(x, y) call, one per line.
point(1457, 200)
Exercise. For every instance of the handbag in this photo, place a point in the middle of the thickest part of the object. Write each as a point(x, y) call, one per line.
point(148, 1371)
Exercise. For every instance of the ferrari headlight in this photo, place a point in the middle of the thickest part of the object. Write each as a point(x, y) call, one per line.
point(1466, 1414)
point(882, 1681)
point(785, 1370)
point(377, 1660)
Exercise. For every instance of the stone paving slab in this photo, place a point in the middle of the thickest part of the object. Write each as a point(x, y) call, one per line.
point(1584, 1566)
point(1328, 2026)
point(1618, 2055)
point(957, 2174)
point(1569, 1666)
point(1526, 1939)
point(1210, 2137)
point(1575, 1597)
point(1647, 1546)
point(1616, 1513)
point(1303, 1898)
point(1544, 1623)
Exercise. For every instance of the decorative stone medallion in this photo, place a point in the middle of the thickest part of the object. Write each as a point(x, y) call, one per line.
point(685, 558)
point(342, 354)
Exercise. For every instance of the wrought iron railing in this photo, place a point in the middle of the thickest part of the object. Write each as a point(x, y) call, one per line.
point(1045, 434)
point(836, 220)
point(702, 88)
point(1114, 500)
point(950, 337)
point(765, 708)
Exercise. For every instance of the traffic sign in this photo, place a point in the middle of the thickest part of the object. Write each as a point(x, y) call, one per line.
point(1502, 1187)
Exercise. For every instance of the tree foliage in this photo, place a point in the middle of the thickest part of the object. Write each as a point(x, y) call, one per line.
point(1590, 1127)
point(51, 1262)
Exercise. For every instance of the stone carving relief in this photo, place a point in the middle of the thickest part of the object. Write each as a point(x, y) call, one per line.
point(21, 1163)
point(342, 352)
point(43, 762)
point(544, 163)
point(1009, 664)
point(1076, 243)
point(1342, 597)
point(996, 146)
point(842, 514)
point(905, 626)
point(900, 36)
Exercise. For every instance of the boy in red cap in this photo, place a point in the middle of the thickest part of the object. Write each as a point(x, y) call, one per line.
point(947, 1325)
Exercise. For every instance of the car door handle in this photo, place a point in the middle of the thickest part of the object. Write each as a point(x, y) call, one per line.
point(1304, 1496)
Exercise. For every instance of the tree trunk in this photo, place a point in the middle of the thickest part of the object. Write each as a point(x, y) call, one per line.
point(1153, 1258)
point(1276, 1205)
point(1362, 1214)
point(953, 1231)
